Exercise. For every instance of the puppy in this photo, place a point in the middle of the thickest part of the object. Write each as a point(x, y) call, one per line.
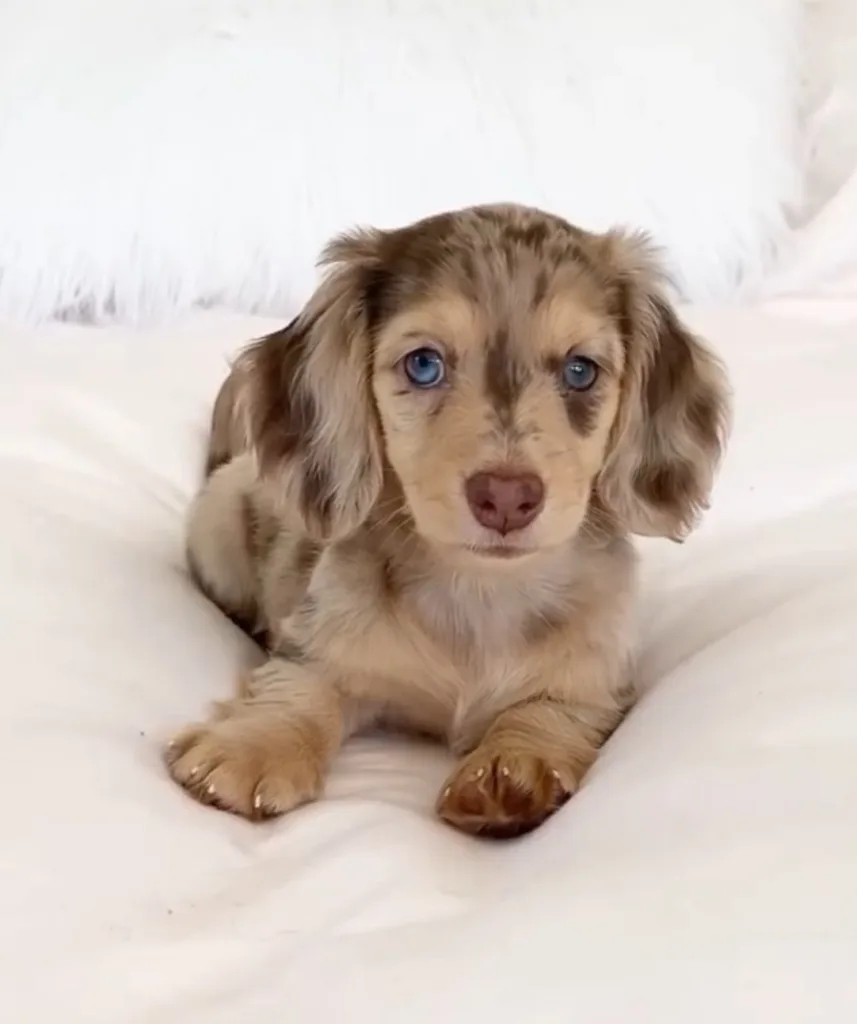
point(420, 494)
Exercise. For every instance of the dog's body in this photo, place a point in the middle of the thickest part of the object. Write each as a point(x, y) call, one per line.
point(420, 494)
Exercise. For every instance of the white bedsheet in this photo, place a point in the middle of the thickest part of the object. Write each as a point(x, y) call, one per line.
point(707, 872)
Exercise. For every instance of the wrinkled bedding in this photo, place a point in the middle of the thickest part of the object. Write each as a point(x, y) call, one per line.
point(707, 871)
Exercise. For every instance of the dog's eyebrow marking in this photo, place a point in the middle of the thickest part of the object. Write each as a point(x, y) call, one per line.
point(505, 377)
point(428, 339)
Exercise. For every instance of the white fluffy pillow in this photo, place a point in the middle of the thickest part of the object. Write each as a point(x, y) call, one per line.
point(158, 154)
point(831, 98)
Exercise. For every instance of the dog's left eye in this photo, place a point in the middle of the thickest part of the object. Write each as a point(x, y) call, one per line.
point(579, 373)
point(424, 368)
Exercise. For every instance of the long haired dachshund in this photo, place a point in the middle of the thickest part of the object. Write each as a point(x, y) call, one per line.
point(420, 493)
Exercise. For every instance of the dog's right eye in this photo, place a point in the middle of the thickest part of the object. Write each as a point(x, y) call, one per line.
point(424, 368)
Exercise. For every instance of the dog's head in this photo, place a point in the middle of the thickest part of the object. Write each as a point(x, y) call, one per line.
point(509, 371)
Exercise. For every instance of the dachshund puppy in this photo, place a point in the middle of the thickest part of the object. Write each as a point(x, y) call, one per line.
point(420, 494)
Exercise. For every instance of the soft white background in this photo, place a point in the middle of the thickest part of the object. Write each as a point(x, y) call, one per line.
point(155, 154)
point(830, 97)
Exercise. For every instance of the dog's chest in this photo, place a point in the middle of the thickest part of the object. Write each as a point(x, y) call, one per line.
point(474, 622)
point(487, 631)
point(439, 646)
point(474, 647)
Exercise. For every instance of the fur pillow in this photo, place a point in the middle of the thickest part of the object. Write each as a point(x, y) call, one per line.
point(830, 98)
point(161, 154)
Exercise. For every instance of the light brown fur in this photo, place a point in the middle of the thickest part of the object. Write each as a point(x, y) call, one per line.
point(334, 521)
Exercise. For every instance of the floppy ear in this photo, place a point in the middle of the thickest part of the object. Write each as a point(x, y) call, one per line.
point(306, 401)
point(673, 417)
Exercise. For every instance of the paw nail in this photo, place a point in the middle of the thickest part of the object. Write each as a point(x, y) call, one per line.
point(555, 774)
point(447, 792)
point(504, 771)
point(211, 790)
point(257, 801)
point(478, 773)
point(194, 772)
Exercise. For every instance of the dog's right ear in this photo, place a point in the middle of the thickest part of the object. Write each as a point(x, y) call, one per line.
point(304, 398)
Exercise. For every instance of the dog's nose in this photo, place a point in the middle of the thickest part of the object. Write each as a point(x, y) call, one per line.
point(505, 501)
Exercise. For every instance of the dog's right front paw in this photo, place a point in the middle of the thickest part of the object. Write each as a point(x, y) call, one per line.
point(246, 765)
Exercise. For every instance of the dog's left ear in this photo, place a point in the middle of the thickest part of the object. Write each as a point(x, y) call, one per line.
point(674, 413)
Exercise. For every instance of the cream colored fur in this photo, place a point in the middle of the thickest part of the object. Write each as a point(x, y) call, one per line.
point(334, 522)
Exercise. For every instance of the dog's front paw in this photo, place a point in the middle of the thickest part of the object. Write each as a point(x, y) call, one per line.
point(502, 791)
point(246, 765)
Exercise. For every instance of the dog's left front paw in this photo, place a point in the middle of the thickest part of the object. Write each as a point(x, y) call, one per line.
point(502, 792)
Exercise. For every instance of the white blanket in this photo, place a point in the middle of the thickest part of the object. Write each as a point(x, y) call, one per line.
point(707, 872)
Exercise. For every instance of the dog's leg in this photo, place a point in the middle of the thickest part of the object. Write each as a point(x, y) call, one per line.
point(221, 528)
point(270, 749)
point(528, 763)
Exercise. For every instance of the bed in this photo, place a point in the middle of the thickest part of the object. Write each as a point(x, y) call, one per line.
point(705, 873)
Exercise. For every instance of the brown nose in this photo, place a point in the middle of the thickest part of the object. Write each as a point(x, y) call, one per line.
point(505, 501)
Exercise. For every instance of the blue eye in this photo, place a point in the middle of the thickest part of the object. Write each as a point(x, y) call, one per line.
point(424, 368)
point(579, 373)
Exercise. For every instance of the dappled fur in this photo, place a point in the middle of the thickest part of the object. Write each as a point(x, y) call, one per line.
point(334, 524)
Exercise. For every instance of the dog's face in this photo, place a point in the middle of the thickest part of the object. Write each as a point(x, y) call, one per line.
point(497, 387)
point(510, 372)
